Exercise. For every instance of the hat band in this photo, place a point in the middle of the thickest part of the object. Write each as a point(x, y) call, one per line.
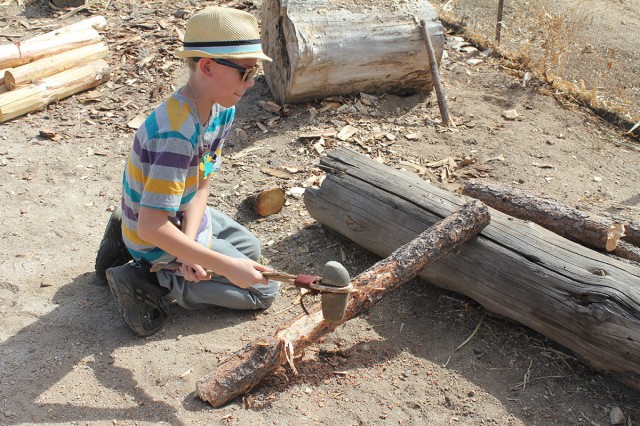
point(224, 47)
point(220, 43)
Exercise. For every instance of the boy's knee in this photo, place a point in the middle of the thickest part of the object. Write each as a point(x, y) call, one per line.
point(252, 249)
point(267, 294)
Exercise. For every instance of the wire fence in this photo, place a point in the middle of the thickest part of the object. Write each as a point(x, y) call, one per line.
point(590, 48)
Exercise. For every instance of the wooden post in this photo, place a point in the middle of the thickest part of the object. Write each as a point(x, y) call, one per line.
point(435, 74)
point(247, 367)
point(499, 22)
point(582, 299)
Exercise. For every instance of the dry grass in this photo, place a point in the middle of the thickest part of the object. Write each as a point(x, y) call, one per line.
point(563, 47)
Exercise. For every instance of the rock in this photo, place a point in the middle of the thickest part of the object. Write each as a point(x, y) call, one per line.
point(296, 192)
point(510, 114)
point(617, 417)
point(597, 178)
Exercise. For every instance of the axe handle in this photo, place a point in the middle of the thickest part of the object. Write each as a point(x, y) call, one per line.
point(280, 276)
point(275, 275)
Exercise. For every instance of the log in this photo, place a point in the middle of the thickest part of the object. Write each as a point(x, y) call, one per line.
point(53, 88)
point(269, 202)
point(244, 369)
point(592, 230)
point(36, 70)
point(16, 54)
point(584, 300)
point(97, 22)
point(320, 50)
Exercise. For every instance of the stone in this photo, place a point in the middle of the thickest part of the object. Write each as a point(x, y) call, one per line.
point(510, 114)
point(617, 417)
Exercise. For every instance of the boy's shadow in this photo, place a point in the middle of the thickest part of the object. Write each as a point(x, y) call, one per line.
point(81, 336)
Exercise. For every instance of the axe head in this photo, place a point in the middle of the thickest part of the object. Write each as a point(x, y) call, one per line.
point(334, 305)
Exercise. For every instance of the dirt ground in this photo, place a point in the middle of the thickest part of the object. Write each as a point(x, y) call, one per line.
point(66, 357)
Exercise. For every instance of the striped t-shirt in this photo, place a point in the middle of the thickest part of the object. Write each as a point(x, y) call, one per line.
point(170, 155)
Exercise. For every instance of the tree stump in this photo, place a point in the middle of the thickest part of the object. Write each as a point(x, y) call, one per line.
point(320, 49)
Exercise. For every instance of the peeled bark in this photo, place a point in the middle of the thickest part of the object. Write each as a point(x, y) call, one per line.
point(250, 365)
point(321, 50)
point(35, 71)
point(96, 22)
point(51, 89)
point(16, 54)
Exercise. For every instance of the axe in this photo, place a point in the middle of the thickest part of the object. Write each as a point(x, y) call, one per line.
point(333, 286)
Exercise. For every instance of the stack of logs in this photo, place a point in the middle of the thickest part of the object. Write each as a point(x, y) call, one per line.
point(46, 68)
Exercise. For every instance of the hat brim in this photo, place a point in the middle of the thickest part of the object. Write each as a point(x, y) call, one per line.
point(195, 53)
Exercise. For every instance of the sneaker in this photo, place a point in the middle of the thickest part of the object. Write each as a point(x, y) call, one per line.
point(112, 251)
point(139, 297)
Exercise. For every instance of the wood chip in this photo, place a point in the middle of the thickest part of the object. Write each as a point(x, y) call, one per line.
point(262, 127)
point(282, 174)
point(346, 132)
point(543, 165)
point(137, 121)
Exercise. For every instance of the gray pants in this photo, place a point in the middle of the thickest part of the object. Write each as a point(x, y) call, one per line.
point(228, 237)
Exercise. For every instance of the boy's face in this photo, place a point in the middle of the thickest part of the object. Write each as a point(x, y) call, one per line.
point(225, 82)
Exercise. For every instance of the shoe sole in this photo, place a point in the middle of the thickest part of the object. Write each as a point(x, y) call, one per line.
point(125, 296)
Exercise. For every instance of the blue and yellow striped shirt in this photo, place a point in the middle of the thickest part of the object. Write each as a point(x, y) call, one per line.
point(171, 153)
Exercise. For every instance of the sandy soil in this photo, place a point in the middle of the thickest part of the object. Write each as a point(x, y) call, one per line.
point(66, 357)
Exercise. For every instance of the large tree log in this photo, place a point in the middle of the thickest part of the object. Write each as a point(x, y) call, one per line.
point(36, 70)
point(53, 88)
point(590, 229)
point(244, 369)
point(320, 49)
point(582, 299)
point(16, 54)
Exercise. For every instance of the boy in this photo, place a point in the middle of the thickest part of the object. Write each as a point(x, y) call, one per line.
point(164, 215)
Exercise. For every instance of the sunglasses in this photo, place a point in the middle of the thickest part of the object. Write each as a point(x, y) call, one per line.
point(247, 73)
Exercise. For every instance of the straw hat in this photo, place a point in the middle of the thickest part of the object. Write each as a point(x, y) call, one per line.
point(221, 32)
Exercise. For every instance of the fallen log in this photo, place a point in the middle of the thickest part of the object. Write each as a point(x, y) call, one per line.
point(247, 367)
point(36, 70)
point(590, 229)
point(35, 97)
point(584, 300)
point(16, 54)
point(321, 49)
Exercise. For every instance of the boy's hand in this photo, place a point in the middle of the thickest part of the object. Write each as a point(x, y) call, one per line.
point(245, 272)
point(192, 272)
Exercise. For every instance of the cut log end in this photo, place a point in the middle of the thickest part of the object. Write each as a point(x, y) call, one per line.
point(229, 380)
point(614, 233)
point(269, 202)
